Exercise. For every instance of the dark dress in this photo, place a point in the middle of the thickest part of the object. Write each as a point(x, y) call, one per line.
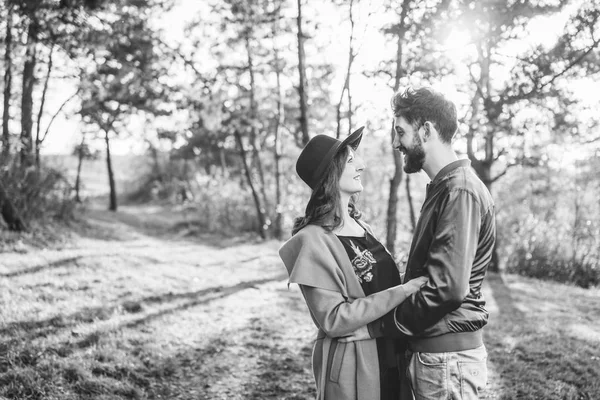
point(377, 271)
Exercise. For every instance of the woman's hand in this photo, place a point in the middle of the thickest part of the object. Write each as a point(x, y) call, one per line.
point(414, 285)
point(361, 333)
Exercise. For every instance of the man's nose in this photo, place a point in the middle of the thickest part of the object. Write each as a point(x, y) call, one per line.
point(396, 141)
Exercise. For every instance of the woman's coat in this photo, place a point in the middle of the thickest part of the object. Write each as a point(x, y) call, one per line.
point(317, 261)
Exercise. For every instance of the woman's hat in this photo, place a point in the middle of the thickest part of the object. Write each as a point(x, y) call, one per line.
point(316, 156)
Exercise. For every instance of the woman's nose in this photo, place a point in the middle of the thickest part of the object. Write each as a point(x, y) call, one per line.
point(360, 165)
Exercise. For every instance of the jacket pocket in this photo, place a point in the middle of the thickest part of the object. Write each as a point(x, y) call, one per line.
point(337, 360)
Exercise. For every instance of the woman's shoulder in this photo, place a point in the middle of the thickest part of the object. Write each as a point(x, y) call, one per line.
point(311, 236)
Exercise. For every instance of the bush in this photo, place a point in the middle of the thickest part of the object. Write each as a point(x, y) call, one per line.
point(538, 252)
point(549, 226)
point(213, 202)
point(38, 194)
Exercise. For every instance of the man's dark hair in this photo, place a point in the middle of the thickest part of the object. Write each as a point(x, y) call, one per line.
point(425, 104)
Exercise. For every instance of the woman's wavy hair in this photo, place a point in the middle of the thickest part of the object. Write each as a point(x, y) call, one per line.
point(325, 207)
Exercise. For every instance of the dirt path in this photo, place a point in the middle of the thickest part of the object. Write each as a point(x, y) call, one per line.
point(135, 309)
point(133, 313)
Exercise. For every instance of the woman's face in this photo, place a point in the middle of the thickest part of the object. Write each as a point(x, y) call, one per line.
point(350, 179)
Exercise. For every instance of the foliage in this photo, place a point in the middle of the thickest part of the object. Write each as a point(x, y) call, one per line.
point(549, 227)
point(38, 194)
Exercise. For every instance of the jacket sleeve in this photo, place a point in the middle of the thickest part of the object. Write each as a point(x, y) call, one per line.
point(337, 316)
point(448, 266)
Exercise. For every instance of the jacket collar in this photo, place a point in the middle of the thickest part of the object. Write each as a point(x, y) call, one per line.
point(449, 168)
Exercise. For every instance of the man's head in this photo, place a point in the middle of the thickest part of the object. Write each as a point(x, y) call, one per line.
point(421, 116)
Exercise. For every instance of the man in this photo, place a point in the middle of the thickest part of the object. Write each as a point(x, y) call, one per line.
point(452, 246)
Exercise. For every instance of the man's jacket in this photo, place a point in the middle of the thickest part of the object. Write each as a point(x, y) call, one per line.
point(452, 245)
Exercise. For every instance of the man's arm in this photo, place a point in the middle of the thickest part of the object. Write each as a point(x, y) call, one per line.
point(449, 262)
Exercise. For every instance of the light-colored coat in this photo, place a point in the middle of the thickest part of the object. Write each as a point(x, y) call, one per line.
point(317, 261)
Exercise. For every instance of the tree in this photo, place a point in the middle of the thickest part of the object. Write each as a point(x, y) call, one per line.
point(122, 80)
point(83, 152)
point(27, 92)
point(302, 84)
point(8, 46)
point(417, 24)
point(537, 78)
point(9, 212)
point(38, 138)
point(346, 88)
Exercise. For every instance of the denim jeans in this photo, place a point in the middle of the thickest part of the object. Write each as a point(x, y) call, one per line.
point(455, 375)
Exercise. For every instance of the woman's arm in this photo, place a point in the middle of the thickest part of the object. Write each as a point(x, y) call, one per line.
point(337, 316)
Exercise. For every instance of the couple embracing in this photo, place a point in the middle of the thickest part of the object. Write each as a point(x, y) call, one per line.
point(381, 336)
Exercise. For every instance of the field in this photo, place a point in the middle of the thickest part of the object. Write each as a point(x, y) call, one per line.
point(136, 307)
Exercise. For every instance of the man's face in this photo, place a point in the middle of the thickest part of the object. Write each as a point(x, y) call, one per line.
point(409, 143)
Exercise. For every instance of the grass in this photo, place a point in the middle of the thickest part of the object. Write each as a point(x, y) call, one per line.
point(543, 339)
point(123, 312)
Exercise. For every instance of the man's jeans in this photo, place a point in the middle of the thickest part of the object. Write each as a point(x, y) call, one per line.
point(455, 375)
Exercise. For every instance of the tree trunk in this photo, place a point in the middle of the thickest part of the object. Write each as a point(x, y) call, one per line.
point(38, 138)
point(391, 221)
point(7, 84)
point(483, 167)
point(27, 95)
point(9, 212)
point(80, 157)
point(253, 133)
point(303, 83)
point(346, 87)
point(157, 170)
point(112, 206)
point(484, 171)
point(278, 225)
point(351, 56)
point(260, 212)
point(392, 210)
point(411, 209)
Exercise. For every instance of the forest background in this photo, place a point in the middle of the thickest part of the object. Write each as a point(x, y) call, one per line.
point(200, 108)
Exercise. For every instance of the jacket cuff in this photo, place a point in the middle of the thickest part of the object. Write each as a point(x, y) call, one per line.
point(375, 329)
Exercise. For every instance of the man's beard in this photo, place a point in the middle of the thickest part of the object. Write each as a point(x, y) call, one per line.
point(414, 157)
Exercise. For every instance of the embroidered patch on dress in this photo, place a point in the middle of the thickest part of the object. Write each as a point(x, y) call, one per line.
point(362, 263)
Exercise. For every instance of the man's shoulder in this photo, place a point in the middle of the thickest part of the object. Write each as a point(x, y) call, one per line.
point(466, 179)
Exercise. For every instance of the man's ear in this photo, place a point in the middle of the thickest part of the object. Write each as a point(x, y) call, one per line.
point(430, 131)
point(427, 127)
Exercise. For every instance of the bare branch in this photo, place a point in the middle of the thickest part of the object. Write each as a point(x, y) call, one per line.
point(501, 174)
point(56, 114)
point(500, 154)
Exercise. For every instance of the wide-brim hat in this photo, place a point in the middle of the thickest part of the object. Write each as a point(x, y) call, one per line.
point(316, 156)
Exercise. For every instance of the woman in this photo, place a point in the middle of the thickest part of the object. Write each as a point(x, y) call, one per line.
point(346, 276)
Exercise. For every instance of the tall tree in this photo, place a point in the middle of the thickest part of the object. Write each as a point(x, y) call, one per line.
point(346, 87)
point(278, 122)
point(122, 79)
point(8, 48)
point(302, 84)
point(38, 138)
point(27, 91)
point(417, 23)
point(537, 78)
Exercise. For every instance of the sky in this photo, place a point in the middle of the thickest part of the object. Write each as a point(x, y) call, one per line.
point(371, 47)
